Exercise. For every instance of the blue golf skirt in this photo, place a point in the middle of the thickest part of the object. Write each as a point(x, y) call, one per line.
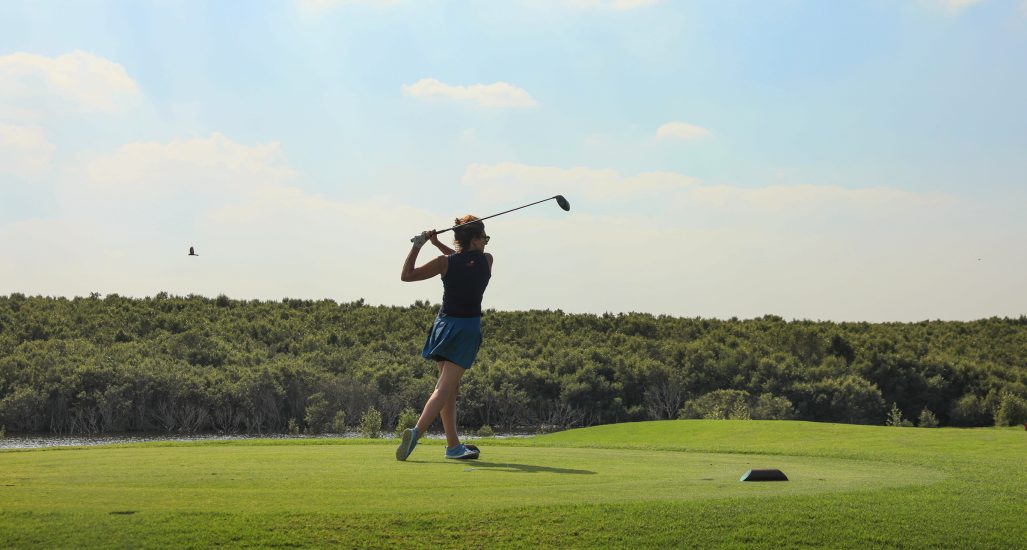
point(454, 339)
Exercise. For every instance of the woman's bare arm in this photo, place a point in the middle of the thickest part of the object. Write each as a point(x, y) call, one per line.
point(436, 266)
point(434, 238)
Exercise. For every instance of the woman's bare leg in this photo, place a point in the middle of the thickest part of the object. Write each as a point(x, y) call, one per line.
point(448, 414)
point(445, 393)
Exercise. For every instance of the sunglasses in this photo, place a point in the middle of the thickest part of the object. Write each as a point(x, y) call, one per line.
point(486, 237)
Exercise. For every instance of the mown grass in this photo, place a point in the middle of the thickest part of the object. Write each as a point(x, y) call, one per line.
point(646, 484)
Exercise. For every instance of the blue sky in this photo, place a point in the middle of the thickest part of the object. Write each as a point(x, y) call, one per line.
point(852, 160)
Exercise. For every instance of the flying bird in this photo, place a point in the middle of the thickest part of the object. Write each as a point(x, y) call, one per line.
point(192, 252)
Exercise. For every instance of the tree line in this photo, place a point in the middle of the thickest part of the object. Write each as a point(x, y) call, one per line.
point(111, 364)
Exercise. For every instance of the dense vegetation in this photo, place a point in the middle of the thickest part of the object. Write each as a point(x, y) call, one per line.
point(194, 364)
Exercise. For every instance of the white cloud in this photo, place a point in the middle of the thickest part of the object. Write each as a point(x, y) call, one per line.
point(667, 243)
point(126, 218)
point(612, 5)
point(285, 241)
point(468, 136)
point(597, 140)
point(659, 242)
point(30, 83)
point(681, 130)
point(324, 5)
point(511, 181)
point(953, 7)
point(24, 151)
point(960, 4)
point(199, 165)
point(498, 95)
point(506, 182)
point(811, 197)
point(163, 189)
point(616, 5)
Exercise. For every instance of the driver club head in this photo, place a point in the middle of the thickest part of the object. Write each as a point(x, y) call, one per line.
point(563, 203)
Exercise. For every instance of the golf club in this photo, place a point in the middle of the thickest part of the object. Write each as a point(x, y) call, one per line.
point(559, 200)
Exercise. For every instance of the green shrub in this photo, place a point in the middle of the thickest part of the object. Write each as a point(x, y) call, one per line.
point(1012, 410)
point(339, 422)
point(371, 424)
point(895, 418)
point(718, 405)
point(849, 399)
point(772, 407)
point(486, 431)
point(970, 410)
point(319, 414)
point(3, 432)
point(407, 419)
point(294, 427)
point(24, 408)
point(927, 419)
point(739, 411)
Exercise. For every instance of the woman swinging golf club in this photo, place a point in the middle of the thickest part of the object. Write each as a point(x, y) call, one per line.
point(455, 336)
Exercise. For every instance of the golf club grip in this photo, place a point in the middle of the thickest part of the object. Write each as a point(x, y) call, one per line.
point(436, 233)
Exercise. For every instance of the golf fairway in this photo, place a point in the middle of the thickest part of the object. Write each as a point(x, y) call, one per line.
point(667, 483)
point(365, 478)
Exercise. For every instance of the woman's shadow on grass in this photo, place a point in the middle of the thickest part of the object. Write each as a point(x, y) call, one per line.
point(525, 468)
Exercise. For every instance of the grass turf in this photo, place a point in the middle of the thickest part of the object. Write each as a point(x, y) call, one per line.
point(654, 483)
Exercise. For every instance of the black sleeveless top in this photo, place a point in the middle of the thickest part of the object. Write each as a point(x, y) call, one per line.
point(464, 284)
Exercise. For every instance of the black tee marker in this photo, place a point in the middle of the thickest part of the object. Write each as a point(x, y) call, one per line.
point(764, 475)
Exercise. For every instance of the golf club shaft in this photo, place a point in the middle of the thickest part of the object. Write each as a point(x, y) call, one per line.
point(494, 215)
point(499, 214)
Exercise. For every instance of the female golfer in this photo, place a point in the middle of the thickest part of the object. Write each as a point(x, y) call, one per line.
point(455, 336)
